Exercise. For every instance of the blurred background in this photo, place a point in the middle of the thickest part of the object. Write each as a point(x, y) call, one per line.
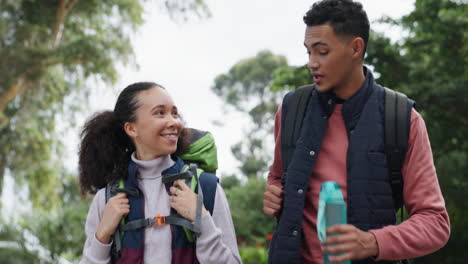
point(227, 65)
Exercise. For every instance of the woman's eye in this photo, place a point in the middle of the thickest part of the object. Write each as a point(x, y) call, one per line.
point(159, 113)
point(323, 52)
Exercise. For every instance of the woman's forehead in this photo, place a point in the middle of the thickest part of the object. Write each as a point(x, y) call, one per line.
point(155, 97)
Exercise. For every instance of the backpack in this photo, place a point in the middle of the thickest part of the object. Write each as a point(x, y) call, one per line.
point(397, 126)
point(197, 150)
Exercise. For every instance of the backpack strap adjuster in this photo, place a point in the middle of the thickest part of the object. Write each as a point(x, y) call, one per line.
point(158, 220)
point(161, 220)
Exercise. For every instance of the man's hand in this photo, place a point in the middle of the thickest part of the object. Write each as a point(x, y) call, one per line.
point(272, 199)
point(351, 242)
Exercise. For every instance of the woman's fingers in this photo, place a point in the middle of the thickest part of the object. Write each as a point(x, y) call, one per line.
point(182, 185)
point(183, 200)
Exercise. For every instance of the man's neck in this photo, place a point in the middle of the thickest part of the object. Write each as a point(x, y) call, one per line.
point(352, 84)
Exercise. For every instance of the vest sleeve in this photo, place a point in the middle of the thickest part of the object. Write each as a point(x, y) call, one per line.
point(217, 242)
point(94, 252)
point(428, 227)
point(276, 169)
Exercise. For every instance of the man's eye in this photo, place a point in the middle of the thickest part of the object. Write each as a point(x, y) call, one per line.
point(323, 52)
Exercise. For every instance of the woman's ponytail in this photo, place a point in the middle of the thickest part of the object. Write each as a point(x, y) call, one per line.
point(104, 152)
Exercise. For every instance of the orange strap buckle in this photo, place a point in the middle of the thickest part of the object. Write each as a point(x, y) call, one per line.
point(161, 220)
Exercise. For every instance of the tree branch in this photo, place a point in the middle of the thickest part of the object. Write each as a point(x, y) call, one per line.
point(20, 85)
point(59, 18)
point(63, 9)
point(6, 97)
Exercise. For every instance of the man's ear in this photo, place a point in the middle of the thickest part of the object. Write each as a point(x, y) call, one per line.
point(130, 129)
point(357, 45)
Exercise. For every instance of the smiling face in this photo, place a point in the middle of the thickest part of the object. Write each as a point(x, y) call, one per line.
point(334, 61)
point(157, 126)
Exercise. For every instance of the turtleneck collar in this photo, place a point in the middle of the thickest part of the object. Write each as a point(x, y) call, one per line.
point(151, 169)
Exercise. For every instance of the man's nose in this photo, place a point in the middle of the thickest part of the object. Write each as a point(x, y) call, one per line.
point(313, 63)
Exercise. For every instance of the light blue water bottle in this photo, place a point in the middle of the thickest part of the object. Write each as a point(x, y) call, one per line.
point(331, 211)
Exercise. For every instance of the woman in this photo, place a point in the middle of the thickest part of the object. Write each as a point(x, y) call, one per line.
point(142, 132)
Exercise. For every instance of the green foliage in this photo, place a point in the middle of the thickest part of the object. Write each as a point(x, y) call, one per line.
point(290, 78)
point(48, 50)
point(248, 80)
point(67, 220)
point(246, 87)
point(55, 48)
point(229, 181)
point(246, 202)
point(253, 255)
point(12, 248)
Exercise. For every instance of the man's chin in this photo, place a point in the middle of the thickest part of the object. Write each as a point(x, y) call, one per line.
point(320, 88)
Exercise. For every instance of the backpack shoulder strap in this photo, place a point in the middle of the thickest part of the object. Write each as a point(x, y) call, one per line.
point(397, 126)
point(293, 111)
point(116, 237)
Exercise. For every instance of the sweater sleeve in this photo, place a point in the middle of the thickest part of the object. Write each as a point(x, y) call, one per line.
point(276, 169)
point(428, 227)
point(95, 252)
point(217, 242)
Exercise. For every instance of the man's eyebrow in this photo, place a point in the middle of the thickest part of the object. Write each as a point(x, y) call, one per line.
point(317, 43)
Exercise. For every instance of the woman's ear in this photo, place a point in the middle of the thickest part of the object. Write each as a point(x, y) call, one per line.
point(130, 129)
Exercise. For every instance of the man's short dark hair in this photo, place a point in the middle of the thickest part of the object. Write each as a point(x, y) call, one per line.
point(347, 18)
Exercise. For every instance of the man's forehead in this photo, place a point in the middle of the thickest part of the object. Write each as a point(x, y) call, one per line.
point(319, 31)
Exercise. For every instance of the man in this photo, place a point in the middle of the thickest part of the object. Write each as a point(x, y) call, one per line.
point(342, 140)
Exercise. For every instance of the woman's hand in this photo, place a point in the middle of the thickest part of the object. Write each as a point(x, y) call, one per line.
point(184, 200)
point(116, 208)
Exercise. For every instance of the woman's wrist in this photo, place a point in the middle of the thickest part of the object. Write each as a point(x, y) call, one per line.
point(103, 237)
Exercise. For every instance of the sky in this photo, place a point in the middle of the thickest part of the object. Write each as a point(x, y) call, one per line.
point(186, 58)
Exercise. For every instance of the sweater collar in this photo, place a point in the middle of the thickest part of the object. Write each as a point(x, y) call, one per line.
point(150, 169)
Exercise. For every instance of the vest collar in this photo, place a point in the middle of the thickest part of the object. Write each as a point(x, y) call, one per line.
point(175, 168)
point(352, 107)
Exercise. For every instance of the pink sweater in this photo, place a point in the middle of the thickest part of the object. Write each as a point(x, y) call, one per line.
point(428, 227)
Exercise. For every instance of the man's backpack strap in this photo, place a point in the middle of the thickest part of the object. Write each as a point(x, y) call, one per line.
point(293, 111)
point(397, 126)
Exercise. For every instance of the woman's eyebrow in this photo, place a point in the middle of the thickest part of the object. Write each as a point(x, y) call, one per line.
point(157, 106)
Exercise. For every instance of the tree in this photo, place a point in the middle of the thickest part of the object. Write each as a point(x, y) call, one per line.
point(49, 49)
point(246, 88)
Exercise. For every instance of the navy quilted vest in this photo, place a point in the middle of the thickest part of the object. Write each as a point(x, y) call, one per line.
point(370, 201)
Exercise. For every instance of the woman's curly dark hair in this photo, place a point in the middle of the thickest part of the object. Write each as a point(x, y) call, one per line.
point(347, 18)
point(105, 148)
